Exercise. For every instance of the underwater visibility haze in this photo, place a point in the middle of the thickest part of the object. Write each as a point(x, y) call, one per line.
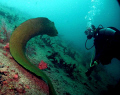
point(63, 58)
point(71, 17)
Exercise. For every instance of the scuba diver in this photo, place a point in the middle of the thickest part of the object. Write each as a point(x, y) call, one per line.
point(107, 45)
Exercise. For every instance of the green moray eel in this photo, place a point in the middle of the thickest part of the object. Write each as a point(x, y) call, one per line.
point(22, 34)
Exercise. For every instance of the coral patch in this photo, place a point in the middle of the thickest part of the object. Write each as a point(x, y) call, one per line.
point(42, 65)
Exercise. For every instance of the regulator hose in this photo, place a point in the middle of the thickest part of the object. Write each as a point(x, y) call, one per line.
point(86, 46)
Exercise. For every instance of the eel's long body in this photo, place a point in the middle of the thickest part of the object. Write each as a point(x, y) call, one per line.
point(19, 38)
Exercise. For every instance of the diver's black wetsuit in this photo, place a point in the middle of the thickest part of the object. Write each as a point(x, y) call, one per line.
point(107, 45)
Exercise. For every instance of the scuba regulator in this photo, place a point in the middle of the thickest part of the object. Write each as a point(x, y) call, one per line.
point(92, 33)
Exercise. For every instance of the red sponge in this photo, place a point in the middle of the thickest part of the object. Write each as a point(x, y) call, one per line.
point(42, 65)
point(6, 47)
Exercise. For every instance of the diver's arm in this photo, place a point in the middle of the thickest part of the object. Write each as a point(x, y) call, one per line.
point(89, 71)
point(93, 63)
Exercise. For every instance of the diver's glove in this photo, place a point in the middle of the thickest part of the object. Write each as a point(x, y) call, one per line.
point(94, 63)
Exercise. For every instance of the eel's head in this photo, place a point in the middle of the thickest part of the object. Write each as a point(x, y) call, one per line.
point(51, 31)
point(48, 27)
